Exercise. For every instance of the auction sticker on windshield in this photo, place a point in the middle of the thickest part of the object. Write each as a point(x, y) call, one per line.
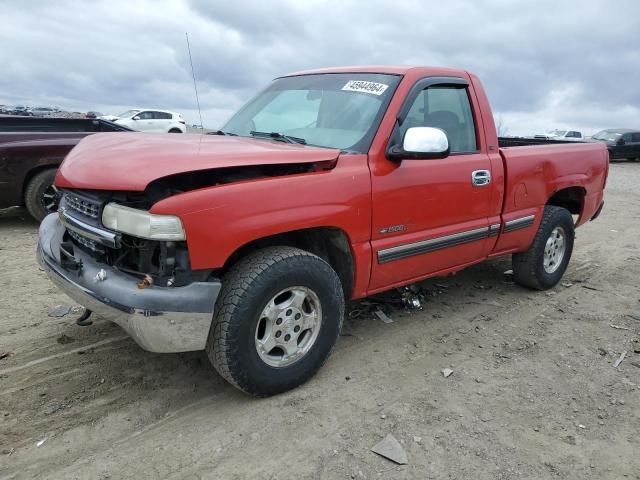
point(365, 87)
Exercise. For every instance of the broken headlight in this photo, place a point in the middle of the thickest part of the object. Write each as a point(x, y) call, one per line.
point(142, 224)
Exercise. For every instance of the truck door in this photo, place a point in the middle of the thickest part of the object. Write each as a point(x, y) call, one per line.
point(433, 215)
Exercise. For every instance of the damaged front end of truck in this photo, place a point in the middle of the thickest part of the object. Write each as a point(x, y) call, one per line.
point(141, 280)
point(109, 252)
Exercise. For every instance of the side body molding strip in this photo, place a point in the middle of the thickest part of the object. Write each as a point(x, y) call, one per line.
point(426, 246)
point(433, 244)
point(518, 223)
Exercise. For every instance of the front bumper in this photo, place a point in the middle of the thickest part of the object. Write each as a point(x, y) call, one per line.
point(159, 319)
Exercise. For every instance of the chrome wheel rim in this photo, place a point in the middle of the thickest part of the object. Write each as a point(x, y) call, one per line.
point(288, 326)
point(554, 250)
point(50, 199)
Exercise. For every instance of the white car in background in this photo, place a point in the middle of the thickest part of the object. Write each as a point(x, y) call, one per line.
point(558, 134)
point(153, 121)
point(44, 111)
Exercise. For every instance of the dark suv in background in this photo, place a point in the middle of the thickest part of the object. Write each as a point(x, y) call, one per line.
point(621, 143)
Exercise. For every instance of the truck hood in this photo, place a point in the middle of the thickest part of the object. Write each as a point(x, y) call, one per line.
point(130, 161)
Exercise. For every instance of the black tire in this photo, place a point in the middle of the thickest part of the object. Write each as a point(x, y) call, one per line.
point(246, 289)
point(175, 130)
point(34, 195)
point(528, 267)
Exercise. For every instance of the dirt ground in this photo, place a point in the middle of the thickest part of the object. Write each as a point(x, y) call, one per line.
point(534, 392)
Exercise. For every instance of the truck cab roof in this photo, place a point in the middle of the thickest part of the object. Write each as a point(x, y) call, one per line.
point(386, 69)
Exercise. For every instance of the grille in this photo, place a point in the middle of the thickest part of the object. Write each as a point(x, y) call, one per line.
point(82, 205)
point(86, 242)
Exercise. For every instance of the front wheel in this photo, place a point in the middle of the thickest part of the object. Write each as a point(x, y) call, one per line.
point(542, 266)
point(276, 320)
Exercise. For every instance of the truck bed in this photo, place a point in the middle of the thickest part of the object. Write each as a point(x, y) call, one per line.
point(523, 142)
point(535, 173)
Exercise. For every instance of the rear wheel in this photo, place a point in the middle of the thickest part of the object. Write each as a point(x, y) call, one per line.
point(41, 196)
point(543, 265)
point(276, 320)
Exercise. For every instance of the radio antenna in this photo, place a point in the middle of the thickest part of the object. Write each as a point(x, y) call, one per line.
point(195, 87)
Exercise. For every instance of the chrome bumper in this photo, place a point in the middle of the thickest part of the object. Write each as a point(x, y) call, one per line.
point(159, 319)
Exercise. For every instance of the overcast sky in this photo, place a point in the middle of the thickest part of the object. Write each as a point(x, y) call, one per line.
point(545, 64)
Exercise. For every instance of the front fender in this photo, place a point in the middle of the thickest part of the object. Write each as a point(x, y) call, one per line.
point(218, 220)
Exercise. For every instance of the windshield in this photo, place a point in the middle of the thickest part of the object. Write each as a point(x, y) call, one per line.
point(606, 135)
point(337, 110)
point(128, 113)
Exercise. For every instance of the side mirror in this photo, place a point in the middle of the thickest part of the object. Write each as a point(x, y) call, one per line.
point(136, 118)
point(421, 143)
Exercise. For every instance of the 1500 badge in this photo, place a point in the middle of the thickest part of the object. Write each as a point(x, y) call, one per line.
point(392, 229)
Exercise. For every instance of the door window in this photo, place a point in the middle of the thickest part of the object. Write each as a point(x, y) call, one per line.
point(449, 109)
point(635, 137)
point(161, 115)
point(145, 115)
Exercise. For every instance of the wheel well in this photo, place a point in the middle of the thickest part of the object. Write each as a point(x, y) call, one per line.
point(571, 198)
point(175, 130)
point(329, 243)
point(32, 173)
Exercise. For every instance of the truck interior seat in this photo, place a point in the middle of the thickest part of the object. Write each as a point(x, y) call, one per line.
point(449, 122)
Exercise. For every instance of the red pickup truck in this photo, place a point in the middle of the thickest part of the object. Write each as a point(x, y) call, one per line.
point(329, 185)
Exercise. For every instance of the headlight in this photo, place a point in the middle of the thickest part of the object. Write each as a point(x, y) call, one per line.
point(141, 223)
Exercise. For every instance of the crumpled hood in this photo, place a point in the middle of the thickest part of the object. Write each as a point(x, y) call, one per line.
point(130, 161)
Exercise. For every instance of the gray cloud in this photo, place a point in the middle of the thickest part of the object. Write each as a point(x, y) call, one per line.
point(544, 64)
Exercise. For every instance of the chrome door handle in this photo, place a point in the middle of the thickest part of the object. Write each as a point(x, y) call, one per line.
point(480, 178)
